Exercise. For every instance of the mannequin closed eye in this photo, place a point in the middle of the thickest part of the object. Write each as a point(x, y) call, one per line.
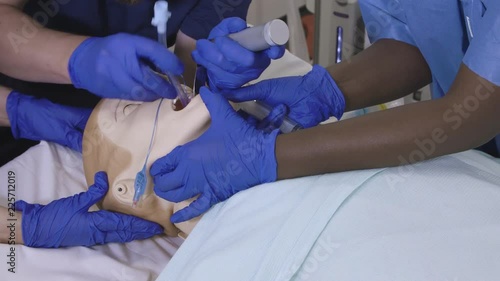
point(125, 108)
point(129, 108)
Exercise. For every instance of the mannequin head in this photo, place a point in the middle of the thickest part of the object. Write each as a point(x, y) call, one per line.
point(116, 140)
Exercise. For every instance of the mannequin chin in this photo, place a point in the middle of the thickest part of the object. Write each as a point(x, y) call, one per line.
point(116, 140)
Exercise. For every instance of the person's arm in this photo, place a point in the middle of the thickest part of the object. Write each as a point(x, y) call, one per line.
point(464, 119)
point(4, 118)
point(31, 52)
point(10, 227)
point(401, 66)
point(184, 46)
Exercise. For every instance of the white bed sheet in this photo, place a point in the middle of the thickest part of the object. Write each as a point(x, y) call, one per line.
point(47, 172)
point(434, 221)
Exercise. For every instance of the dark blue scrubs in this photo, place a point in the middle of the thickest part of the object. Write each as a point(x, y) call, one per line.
point(105, 17)
point(195, 18)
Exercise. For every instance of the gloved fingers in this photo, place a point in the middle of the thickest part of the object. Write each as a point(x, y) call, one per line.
point(166, 164)
point(13, 100)
point(123, 228)
point(74, 140)
point(259, 91)
point(82, 117)
point(159, 55)
point(228, 26)
point(21, 205)
point(157, 84)
point(132, 88)
point(195, 209)
point(274, 119)
point(200, 60)
point(96, 192)
point(216, 74)
point(275, 52)
point(177, 194)
point(218, 106)
point(77, 119)
point(248, 118)
point(210, 52)
point(235, 54)
point(169, 180)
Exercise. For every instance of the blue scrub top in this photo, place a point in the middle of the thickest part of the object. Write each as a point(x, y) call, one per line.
point(447, 33)
point(195, 18)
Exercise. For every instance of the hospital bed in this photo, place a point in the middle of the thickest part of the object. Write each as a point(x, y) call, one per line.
point(433, 221)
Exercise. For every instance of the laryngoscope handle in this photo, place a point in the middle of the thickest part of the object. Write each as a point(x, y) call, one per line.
point(259, 38)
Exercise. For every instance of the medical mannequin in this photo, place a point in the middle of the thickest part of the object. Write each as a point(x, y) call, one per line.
point(41, 119)
point(116, 140)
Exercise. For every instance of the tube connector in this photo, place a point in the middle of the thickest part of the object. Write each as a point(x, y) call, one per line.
point(161, 16)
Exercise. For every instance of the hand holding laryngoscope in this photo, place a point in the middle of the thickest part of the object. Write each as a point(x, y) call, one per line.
point(238, 55)
point(235, 55)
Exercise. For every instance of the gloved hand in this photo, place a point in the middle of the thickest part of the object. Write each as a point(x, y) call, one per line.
point(67, 222)
point(39, 119)
point(118, 66)
point(271, 122)
point(229, 157)
point(311, 99)
point(230, 65)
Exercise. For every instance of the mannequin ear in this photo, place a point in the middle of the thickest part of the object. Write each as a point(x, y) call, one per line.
point(122, 191)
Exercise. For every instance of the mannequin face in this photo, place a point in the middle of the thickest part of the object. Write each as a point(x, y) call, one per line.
point(116, 140)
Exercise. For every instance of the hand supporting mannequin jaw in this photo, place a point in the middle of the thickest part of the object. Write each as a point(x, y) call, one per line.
point(116, 140)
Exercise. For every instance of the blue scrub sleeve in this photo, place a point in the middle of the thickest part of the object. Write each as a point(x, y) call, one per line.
point(208, 13)
point(385, 19)
point(483, 54)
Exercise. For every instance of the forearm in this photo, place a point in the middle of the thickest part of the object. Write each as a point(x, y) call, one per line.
point(398, 136)
point(10, 227)
point(31, 52)
point(4, 118)
point(401, 66)
point(184, 46)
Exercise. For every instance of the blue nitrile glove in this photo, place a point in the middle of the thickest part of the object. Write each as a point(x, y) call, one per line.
point(119, 66)
point(39, 119)
point(67, 222)
point(229, 157)
point(311, 99)
point(230, 65)
point(272, 121)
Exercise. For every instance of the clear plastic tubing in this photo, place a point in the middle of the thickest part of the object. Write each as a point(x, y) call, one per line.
point(160, 19)
point(162, 38)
